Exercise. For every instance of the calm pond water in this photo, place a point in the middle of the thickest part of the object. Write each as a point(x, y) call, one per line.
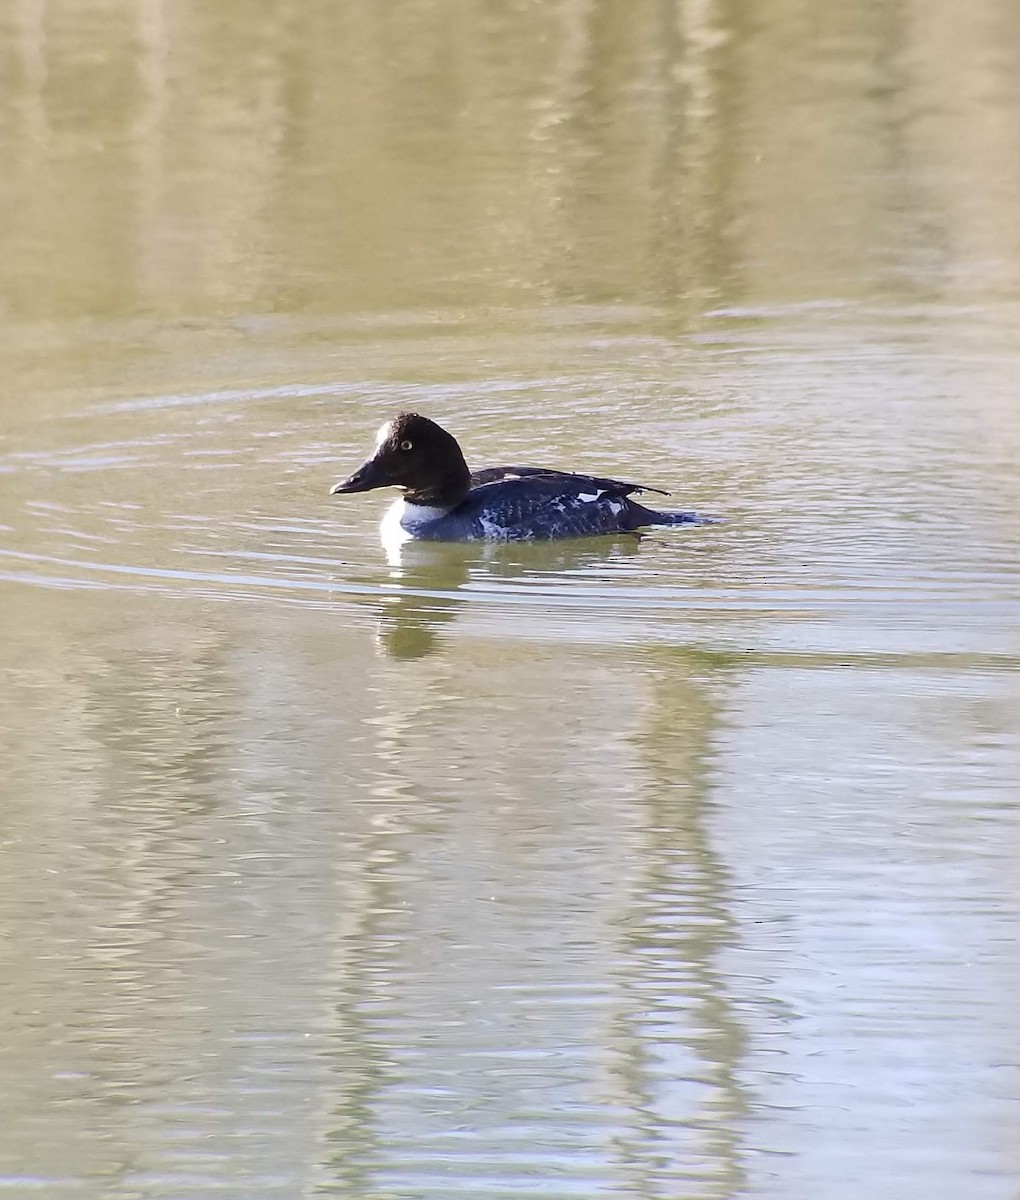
point(659, 867)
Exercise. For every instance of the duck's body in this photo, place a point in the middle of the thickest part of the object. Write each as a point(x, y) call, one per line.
point(444, 501)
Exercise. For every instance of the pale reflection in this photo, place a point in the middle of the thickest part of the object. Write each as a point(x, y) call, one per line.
point(180, 158)
point(419, 595)
point(672, 1043)
point(429, 582)
point(465, 1012)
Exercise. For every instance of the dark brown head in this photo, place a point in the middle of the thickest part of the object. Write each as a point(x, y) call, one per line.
point(419, 457)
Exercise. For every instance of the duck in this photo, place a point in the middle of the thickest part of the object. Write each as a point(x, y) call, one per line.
point(443, 500)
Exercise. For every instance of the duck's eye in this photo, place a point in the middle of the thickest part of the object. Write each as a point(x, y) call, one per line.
point(405, 445)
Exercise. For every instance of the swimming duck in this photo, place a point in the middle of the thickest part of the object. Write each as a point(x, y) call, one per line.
point(444, 501)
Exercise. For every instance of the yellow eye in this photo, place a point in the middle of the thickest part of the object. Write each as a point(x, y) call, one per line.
point(405, 445)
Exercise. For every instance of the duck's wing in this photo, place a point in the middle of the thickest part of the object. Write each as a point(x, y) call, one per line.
point(564, 480)
point(547, 505)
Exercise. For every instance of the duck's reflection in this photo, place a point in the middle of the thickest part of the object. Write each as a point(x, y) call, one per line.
point(429, 582)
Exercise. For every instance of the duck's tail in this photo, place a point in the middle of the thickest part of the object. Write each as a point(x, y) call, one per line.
point(651, 516)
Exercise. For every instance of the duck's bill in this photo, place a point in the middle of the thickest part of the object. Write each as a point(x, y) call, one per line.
point(364, 479)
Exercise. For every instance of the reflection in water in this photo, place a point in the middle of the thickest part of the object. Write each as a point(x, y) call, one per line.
point(420, 594)
point(335, 159)
point(681, 1044)
point(496, 1047)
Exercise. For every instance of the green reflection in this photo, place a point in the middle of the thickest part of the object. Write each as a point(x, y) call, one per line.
point(185, 158)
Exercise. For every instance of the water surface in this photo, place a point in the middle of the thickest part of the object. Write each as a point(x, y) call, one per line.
point(658, 866)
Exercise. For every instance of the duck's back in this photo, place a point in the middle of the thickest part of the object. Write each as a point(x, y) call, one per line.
point(533, 503)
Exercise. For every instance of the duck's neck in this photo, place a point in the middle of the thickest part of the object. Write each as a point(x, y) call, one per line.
point(446, 489)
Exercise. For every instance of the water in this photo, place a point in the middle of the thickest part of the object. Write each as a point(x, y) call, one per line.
point(671, 866)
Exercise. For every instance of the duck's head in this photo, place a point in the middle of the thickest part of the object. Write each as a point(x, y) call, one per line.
point(419, 457)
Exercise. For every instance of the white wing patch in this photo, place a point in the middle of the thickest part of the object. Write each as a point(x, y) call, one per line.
point(491, 529)
point(589, 497)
